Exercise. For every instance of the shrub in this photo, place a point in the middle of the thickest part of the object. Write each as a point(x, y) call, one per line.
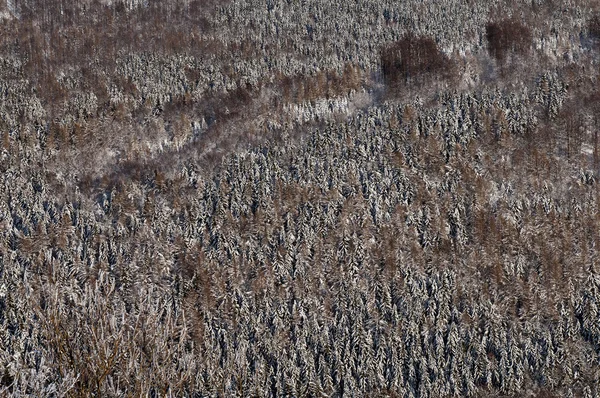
point(507, 36)
point(414, 59)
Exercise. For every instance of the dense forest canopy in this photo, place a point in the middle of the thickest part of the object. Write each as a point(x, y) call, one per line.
point(281, 198)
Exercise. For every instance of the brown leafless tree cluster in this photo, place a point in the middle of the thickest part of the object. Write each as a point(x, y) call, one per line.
point(508, 36)
point(414, 60)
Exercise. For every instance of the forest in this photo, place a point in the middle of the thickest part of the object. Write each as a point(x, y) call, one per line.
point(281, 198)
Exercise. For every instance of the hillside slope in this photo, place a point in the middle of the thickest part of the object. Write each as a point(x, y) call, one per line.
point(267, 199)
